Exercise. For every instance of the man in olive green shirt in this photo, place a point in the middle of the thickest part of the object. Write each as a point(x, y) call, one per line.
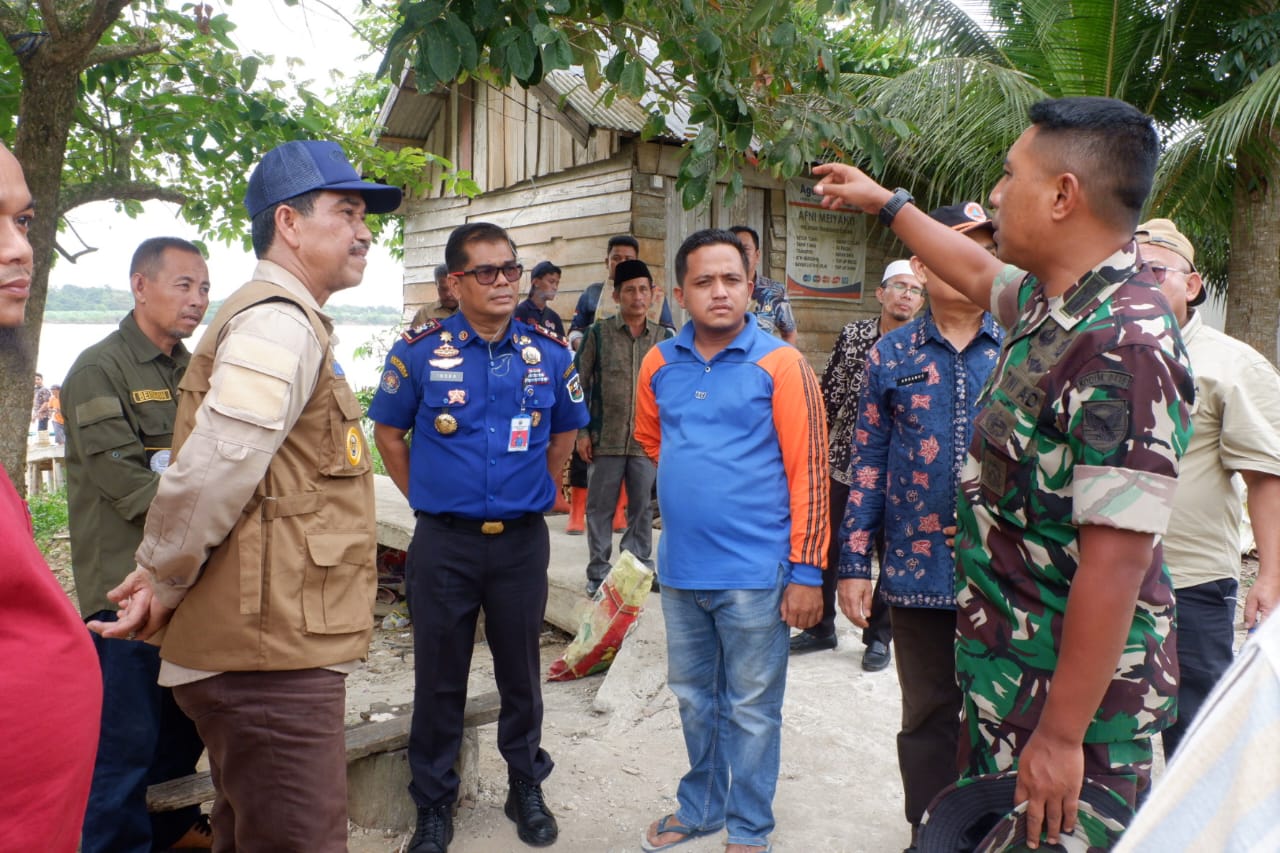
point(608, 363)
point(119, 402)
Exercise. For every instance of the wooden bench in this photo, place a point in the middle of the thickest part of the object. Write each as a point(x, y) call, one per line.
point(377, 769)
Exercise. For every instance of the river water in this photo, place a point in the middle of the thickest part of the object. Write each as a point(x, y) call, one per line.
point(61, 343)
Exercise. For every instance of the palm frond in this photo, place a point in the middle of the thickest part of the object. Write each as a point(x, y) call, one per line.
point(938, 28)
point(1246, 122)
point(964, 113)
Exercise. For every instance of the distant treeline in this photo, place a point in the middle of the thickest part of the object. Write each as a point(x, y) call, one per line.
point(73, 304)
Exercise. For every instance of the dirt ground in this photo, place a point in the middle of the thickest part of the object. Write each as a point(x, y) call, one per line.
point(617, 770)
point(838, 789)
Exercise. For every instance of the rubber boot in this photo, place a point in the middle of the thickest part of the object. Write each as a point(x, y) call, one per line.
point(562, 505)
point(620, 514)
point(577, 512)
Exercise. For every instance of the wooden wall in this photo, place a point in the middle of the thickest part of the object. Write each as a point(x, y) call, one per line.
point(562, 200)
point(566, 218)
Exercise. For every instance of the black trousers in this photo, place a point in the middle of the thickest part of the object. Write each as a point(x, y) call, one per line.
point(879, 629)
point(452, 571)
point(1204, 624)
point(924, 642)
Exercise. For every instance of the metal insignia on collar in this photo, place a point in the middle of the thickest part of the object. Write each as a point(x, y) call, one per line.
point(463, 335)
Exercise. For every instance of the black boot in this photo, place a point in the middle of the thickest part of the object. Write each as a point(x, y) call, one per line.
point(535, 824)
point(435, 829)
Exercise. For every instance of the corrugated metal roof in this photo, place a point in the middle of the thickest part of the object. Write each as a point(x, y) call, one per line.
point(408, 114)
point(624, 114)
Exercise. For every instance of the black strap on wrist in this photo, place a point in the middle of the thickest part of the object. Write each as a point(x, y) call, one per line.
point(900, 199)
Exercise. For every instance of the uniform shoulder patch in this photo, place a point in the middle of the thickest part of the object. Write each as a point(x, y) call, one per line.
point(547, 333)
point(412, 336)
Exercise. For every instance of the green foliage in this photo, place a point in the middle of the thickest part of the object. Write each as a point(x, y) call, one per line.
point(48, 516)
point(1209, 73)
point(758, 77)
point(365, 396)
point(188, 116)
point(72, 297)
point(74, 304)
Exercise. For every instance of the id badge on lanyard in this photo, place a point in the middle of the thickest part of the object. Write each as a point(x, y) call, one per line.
point(518, 441)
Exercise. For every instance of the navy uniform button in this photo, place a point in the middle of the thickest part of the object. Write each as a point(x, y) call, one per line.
point(493, 461)
point(491, 429)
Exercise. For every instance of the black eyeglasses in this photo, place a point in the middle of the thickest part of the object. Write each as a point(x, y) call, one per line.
point(1160, 272)
point(488, 274)
point(899, 287)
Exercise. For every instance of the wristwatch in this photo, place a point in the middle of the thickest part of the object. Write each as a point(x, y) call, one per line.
point(900, 199)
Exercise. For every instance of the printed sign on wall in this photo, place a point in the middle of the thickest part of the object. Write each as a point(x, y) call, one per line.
point(826, 249)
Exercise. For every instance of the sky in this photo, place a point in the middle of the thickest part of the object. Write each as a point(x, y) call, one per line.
point(316, 35)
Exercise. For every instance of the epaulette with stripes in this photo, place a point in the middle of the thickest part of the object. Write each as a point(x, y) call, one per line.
point(412, 336)
point(547, 333)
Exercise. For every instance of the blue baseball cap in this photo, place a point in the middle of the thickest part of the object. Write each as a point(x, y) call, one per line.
point(304, 165)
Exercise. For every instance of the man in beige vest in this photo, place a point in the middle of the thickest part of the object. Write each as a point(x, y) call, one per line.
point(258, 556)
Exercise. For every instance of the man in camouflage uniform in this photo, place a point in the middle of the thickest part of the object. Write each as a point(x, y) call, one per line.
point(1064, 638)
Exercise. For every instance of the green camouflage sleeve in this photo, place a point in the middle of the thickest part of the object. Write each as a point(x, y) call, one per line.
point(1006, 294)
point(1128, 427)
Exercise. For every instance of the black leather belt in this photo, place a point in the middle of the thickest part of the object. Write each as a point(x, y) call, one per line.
point(490, 527)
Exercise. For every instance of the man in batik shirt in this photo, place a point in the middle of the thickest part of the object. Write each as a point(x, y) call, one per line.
point(914, 425)
point(900, 295)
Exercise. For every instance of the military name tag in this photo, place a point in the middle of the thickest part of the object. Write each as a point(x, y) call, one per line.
point(446, 376)
point(158, 396)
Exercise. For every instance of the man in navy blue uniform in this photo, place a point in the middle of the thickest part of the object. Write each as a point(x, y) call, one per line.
point(495, 406)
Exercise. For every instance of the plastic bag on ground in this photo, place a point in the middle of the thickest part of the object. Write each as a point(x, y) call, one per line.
point(605, 625)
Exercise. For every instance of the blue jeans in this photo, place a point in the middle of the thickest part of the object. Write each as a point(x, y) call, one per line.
point(727, 665)
point(145, 739)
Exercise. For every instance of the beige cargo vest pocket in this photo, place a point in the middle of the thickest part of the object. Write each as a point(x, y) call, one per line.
point(337, 597)
point(346, 453)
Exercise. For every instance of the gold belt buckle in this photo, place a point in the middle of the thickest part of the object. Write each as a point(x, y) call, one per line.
point(491, 527)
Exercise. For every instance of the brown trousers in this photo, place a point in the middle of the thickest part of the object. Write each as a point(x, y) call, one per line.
point(924, 646)
point(278, 758)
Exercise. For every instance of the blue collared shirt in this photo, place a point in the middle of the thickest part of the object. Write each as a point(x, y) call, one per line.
point(915, 418)
point(741, 462)
point(448, 377)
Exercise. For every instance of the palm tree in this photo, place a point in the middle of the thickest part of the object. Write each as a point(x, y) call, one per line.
point(1208, 73)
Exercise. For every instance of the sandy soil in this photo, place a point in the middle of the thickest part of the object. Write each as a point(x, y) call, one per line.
point(616, 771)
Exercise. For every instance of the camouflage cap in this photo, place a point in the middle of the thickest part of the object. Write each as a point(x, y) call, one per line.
point(974, 815)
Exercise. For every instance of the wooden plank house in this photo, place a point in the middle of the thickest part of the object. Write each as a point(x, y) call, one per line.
point(563, 172)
